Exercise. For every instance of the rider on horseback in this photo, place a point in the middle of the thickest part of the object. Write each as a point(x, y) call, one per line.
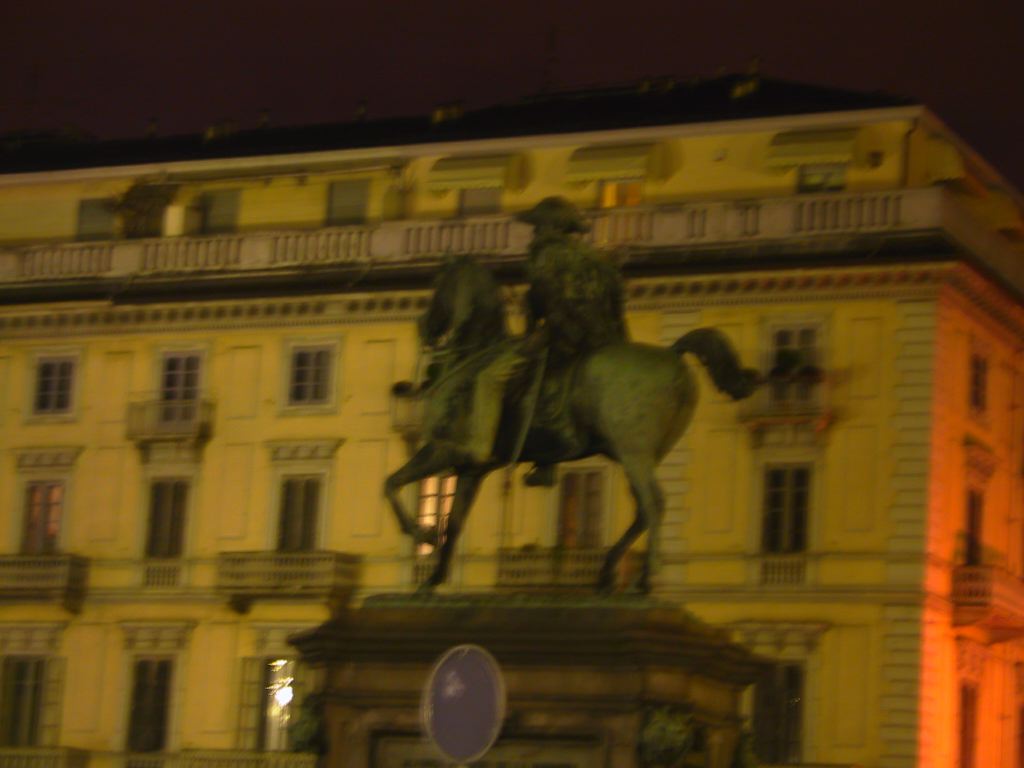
point(574, 306)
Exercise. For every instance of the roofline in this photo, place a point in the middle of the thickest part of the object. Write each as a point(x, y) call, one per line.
point(325, 159)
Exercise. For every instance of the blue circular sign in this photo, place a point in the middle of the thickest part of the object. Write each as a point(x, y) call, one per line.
point(463, 703)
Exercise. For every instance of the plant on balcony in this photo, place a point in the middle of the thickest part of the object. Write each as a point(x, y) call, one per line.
point(306, 732)
point(667, 738)
point(141, 208)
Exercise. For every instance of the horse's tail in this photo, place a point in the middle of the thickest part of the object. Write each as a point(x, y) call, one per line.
point(713, 349)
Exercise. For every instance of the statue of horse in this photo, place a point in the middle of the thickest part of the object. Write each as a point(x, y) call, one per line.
point(629, 402)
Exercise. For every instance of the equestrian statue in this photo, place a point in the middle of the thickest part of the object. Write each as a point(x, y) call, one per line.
point(571, 386)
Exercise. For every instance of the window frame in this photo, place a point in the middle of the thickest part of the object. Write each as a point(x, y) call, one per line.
point(182, 544)
point(27, 485)
point(616, 193)
point(354, 221)
point(828, 171)
point(445, 497)
point(292, 473)
point(333, 346)
point(169, 706)
point(978, 383)
point(603, 524)
point(97, 236)
point(161, 354)
point(464, 211)
point(787, 513)
point(785, 756)
point(57, 355)
point(202, 206)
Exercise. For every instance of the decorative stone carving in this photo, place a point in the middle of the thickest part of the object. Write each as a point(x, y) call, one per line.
point(776, 638)
point(40, 639)
point(51, 457)
point(970, 659)
point(161, 637)
point(303, 450)
point(272, 639)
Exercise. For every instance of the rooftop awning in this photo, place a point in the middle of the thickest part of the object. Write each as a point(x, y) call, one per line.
point(473, 172)
point(821, 147)
point(630, 161)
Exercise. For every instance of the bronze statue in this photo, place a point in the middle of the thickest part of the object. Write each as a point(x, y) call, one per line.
point(573, 386)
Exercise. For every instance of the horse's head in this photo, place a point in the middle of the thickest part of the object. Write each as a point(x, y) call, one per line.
point(466, 303)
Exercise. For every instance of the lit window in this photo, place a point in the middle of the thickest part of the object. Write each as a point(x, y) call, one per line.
point(273, 689)
point(310, 376)
point(54, 379)
point(299, 514)
point(278, 695)
point(795, 370)
point(44, 506)
point(479, 201)
point(580, 509)
point(978, 385)
point(821, 178)
point(435, 504)
point(621, 194)
point(786, 497)
point(778, 714)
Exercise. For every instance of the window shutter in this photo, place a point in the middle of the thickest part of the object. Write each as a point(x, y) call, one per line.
point(53, 690)
point(220, 211)
point(250, 701)
point(347, 202)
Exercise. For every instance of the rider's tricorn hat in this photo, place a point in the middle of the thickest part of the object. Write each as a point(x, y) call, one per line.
point(555, 213)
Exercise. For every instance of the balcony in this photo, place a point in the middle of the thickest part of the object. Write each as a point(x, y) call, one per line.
point(989, 597)
point(217, 759)
point(782, 570)
point(43, 757)
point(184, 421)
point(832, 221)
point(559, 570)
point(247, 576)
point(44, 578)
point(792, 402)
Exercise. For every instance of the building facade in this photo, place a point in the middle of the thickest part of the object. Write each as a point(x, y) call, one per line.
point(198, 338)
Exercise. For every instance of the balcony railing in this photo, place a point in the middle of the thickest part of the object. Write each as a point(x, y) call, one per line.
point(789, 403)
point(44, 578)
point(216, 759)
point(988, 596)
point(155, 420)
point(782, 570)
point(43, 757)
point(245, 576)
point(559, 569)
point(698, 224)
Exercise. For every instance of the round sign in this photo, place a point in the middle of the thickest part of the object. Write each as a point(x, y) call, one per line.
point(463, 703)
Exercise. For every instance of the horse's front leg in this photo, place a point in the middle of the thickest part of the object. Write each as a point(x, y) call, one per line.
point(427, 461)
point(466, 488)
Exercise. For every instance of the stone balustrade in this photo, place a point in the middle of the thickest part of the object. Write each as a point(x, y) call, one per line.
point(988, 595)
point(683, 225)
point(155, 420)
point(44, 578)
point(213, 758)
point(43, 757)
point(244, 576)
point(544, 568)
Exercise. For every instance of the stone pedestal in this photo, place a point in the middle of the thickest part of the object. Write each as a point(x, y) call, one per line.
point(591, 683)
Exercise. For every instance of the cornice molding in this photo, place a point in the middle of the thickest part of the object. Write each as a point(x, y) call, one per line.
point(779, 638)
point(303, 450)
point(39, 639)
point(272, 639)
point(49, 457)
point(164, 637)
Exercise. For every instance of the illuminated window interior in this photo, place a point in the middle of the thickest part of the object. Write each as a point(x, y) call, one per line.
point(44, 504)
point(621, 194)
point(821, 178)
point(278, 696)
point(435, 504)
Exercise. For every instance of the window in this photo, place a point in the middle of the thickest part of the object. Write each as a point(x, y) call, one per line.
point(167, 499)
point(150, 705)
point(821, 178)
point(978, 385)
point(621, 193)
point(218, 211)
point(435, 504)
point(310, 376)
point(95, 219)
point(179, 387)
point(973, 527)
point(346, 202)
point(272, 690)
point(786, 492)
point(778, 714)
point(22, 702)
point(300, 508)
point(479, 201)
point(54, 378)
point(795, 370)
point(580, 509)
point(44, 508)
point(968, 723)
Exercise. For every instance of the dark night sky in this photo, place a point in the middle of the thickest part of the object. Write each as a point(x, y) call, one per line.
point(108, 67)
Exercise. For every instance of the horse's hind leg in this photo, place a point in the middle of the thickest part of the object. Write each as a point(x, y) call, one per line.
point(649, 510)
point(428, 460)
point(466, 488)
